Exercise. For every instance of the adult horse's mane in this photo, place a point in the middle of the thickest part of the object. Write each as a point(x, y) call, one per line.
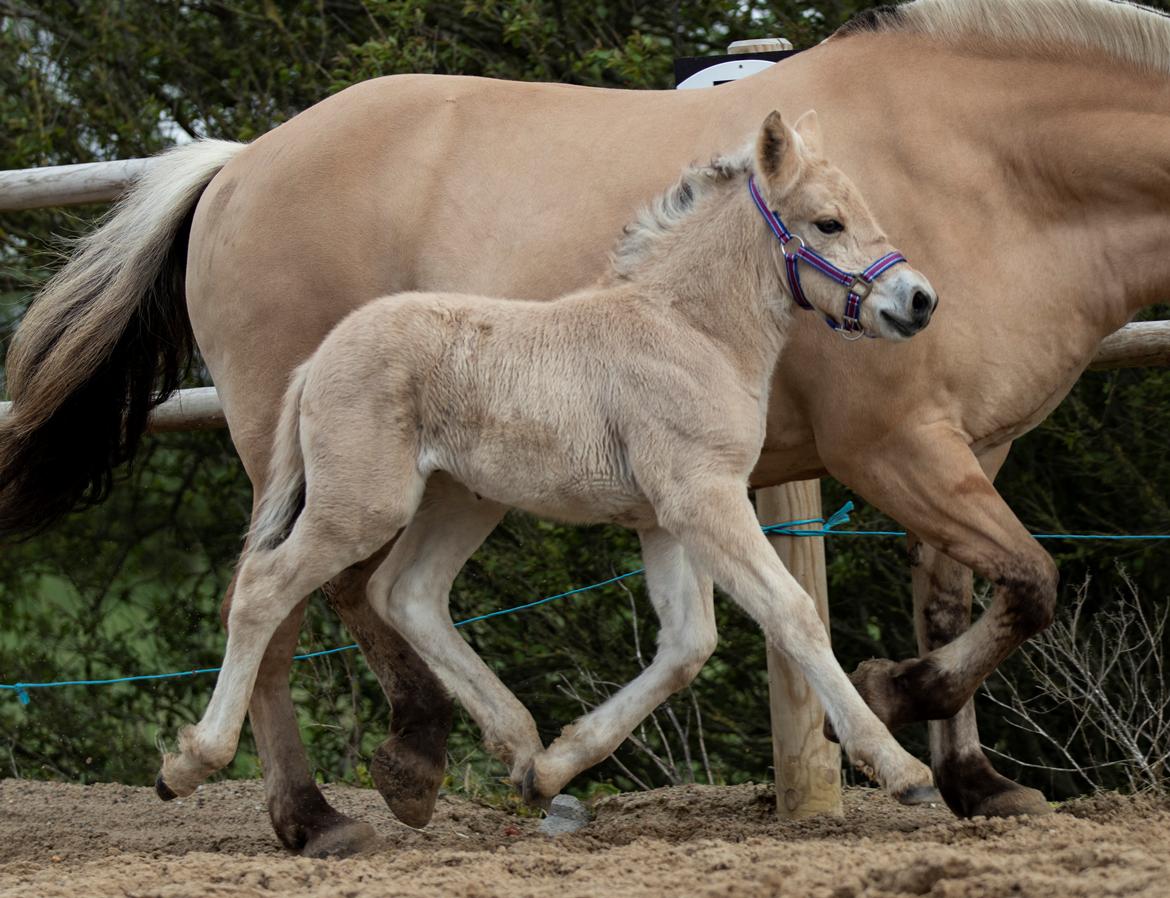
point(663, 214)
point(1128, 32)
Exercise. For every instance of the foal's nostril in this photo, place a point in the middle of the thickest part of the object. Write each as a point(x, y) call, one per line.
point(921, 305)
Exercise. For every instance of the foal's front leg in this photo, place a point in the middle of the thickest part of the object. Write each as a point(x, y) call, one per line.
point(715, 522)
point(682, 598)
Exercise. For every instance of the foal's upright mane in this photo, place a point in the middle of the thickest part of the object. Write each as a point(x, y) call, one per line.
point(663, 214)
point(1128, 32)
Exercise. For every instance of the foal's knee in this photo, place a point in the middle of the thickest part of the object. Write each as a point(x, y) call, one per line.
point(1029, 589)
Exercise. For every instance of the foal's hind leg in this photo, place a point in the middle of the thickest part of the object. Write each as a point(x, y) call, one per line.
point(682, 598)
point(270, 584)
point(716, 524)
point(411, 591)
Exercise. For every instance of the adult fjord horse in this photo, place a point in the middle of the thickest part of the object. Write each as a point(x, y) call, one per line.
point(1038, 133)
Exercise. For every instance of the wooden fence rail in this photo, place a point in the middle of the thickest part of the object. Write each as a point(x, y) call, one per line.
point(68, 185)
point(807, 766)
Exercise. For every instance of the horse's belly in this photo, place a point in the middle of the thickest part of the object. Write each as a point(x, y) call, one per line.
point(547, 484)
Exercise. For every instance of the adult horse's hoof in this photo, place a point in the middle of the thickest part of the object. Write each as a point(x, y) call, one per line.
point(1019, 801)
point(162, 790)
point(407, 780)
point(971, 787)
point(873, 680)
point(902, 692)
point(919, 795)
point(344, 838)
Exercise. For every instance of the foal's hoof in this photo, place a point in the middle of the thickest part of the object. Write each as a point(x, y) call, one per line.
point(163, 790)
point(531, 792)
point(919, 795)
point(408, 781)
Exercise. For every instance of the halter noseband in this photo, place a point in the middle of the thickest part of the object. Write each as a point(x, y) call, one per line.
point(859, 284)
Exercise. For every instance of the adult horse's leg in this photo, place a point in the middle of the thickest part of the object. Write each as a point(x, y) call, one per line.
point(407, 768)
point(931, 482)
point(968, 782)
point(304, 821)
point(682, 598)
point(411, 589)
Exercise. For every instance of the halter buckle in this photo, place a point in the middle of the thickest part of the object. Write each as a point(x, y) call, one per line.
point(861, 287)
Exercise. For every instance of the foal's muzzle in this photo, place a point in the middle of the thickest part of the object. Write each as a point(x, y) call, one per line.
point(912, 303)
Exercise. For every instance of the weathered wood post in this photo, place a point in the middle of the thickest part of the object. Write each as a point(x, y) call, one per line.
point(808, 766)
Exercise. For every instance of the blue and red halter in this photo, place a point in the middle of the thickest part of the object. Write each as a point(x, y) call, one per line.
point(859, 284)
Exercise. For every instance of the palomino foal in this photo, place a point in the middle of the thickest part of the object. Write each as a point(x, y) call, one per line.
point(640, 401)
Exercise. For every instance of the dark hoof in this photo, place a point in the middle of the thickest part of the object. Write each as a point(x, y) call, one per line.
point(919, 795)
point(531, 793)
point(973, 788)
point(1018, 802)
point(873, 680)
point(408, 781)
point(163, 790)
point(344, 839)
point(902, 692)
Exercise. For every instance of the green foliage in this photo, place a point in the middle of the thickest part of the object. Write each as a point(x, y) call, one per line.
point(134, 585)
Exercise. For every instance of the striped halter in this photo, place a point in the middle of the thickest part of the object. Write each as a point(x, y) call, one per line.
point(859, 285)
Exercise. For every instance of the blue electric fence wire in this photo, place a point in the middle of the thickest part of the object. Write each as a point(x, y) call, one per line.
point(827, 528)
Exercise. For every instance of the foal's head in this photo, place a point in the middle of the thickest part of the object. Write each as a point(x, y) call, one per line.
point(818, 208)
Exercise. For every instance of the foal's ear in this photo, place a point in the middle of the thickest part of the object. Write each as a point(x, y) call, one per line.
point(777, 153)
point(808, 126)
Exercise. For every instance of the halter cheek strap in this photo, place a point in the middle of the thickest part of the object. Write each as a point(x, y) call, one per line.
point(858, 284)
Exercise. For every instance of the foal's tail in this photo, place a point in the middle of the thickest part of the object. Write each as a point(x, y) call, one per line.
point(284, 491)
point(109, 327)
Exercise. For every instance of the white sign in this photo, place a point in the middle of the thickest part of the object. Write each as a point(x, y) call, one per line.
point(722, 72)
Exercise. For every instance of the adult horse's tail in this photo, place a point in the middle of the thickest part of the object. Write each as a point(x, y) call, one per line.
point(106, 341)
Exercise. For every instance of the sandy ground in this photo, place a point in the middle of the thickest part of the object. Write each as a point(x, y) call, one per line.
point(65, 840)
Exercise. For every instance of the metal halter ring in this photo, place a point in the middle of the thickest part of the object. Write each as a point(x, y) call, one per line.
point(795, 251)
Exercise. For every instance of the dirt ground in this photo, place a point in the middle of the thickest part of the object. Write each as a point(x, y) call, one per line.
point(65, 840)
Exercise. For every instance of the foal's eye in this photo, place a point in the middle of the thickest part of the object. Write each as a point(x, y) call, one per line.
point(830, 226)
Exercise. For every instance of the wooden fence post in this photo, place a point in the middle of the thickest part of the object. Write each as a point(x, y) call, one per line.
point(808, 766)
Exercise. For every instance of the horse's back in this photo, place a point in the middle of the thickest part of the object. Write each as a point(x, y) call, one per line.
point(389, 186)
